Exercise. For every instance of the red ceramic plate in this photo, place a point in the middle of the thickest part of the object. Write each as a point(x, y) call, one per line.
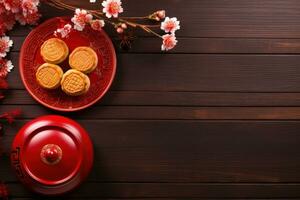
point(101, 78)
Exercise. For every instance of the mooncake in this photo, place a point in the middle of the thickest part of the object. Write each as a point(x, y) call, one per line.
point(83, 59)
point(49, 76)
point(75, 83)
point(54, 51)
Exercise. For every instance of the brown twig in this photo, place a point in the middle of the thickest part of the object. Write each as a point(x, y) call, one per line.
point(97, 14)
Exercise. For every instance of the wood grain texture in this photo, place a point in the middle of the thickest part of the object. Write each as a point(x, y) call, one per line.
point(206, 45)
point(158, 98)
point(198, 72)
point(216, 118)
point(167, 112)
point(151, 198)
point(137, 159)
point(179, 151)
point(186, 191)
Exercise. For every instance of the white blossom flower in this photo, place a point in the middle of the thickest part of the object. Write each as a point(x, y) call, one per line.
point(97, 24)
point(64, 32)
point(112, 8)
point(5, 44)
point(169, 42)
point(170, 25)
point(81, 18)
point(5, 67)
point(9, 66)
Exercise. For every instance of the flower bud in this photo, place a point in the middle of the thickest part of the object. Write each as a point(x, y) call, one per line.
point(161, 14)
point(120, 30)
point(157, 18)
point(124, 26)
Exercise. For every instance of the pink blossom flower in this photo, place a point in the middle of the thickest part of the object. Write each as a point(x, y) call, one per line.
point(24, 11)
point(7, 21)
point(169, 42)
point(5, 67)
point(97, 24)
point(20, 18)
point(64, 31)
point(5, 44)
point(170, 25)
point(30, 18)
point(29, 7)
point(81, 18)
point(12, 5)
point(2, 7)
point(112, 8)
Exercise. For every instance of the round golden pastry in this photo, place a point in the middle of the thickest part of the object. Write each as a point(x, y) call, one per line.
point(54, 51)
point(49, 76)
point(83, 59)
point(75, 83)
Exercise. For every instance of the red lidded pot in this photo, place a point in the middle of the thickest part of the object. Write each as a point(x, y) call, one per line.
point(52, 155)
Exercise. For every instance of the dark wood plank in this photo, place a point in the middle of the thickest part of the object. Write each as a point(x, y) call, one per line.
point(156, 98)
point(188, 72)
point(188, 151)
point(95, 198)
point(121, 198)
point(218, 45)
point(187, 191)
point(167, 112)
point(217, 18)
point(148, 198)
point(206, 45)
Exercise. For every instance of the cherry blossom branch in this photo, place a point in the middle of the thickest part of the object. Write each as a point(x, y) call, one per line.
point(136, 18)
point(110, 13)
point(100, 15)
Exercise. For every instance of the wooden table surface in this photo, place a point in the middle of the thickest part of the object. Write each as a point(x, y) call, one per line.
point(217, 118)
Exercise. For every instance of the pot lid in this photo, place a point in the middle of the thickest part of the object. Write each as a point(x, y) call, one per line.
point(52, 154)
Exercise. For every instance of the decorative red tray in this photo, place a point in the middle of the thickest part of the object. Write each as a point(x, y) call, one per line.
point(101, 78)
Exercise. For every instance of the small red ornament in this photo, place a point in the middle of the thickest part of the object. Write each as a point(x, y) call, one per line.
point(52, 155)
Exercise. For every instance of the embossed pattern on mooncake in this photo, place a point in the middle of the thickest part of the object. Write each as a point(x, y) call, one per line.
point(54, 51)
point(75, 83)
point(49, 76)
point(83, 59)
